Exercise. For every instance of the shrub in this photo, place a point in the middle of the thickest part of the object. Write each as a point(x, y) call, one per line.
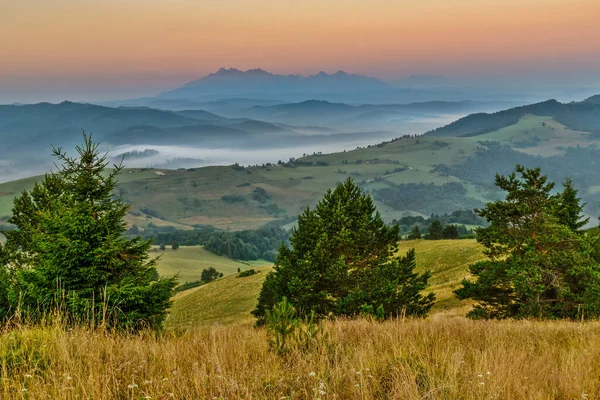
point(248, 272)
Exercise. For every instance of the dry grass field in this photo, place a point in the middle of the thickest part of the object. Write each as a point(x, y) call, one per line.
point(448, 358)
point(211, 350)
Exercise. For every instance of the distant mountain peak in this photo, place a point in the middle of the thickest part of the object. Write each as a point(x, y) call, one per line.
point(236, 72)
point(235, 82)
point(593, 99)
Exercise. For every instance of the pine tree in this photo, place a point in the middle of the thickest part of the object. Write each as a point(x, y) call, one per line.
point(570, 209)
point(435, 230)
point(70, 250)
point(450, 232)
point(342, 261)
point(537, 266)
point(415, 233)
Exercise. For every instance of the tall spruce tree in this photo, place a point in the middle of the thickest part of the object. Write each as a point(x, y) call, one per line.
point(70, 251)
point(569, 208)
point(342, 261)
point(539, 265)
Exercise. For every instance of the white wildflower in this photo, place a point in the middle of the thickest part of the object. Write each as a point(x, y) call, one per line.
point(312, 373)
point(322, 392)
point(132, 386)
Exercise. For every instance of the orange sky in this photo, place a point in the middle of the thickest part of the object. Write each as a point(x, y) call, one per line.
point(131, 43)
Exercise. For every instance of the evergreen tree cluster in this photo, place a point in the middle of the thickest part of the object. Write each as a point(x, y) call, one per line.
point(540, 262)
point(437, 231)
point(69, 251)
point(342, 261)
point(459, 218)
point(261, 243)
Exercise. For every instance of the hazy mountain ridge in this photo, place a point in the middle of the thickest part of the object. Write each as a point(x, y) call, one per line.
point(580, 116)
point(235, 82)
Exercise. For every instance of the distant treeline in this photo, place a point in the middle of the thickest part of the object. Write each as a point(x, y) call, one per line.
point(246, 245)
point(427, 198)
point(457, 218)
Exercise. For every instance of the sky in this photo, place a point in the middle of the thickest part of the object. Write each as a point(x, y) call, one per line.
point(111, 49)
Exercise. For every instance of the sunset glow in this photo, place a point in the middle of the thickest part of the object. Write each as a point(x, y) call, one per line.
point(158, 43)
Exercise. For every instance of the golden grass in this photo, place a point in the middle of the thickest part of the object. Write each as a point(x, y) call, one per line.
point(449, 358)
point(448, 262)
point(230, 300)
point(225, 301)
point(189, 261)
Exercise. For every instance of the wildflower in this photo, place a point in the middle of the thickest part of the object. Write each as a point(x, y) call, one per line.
point(68, 378)
point(357, 372)
point(165, 379)
point(480, 375)
point(488, 373)
point(147, 397)
point(367, 369)
point(584, 395)
point(322, 392)
point(132, 386)
point(28, 375)
point(312, 373)
point(321, 385)
point(357, 385)
point(481, 383)
point(24, 390)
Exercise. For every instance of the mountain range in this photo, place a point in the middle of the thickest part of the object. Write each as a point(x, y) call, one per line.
point(228, 82)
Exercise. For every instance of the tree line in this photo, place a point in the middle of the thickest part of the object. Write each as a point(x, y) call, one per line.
point(247, 245)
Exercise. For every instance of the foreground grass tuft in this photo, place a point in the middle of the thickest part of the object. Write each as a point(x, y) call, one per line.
point(446, 358)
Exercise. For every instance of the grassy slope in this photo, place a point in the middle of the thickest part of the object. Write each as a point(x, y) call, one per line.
point(230, 299)
point(189, 262)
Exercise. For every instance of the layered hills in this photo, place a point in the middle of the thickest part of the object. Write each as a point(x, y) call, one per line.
point(436, 173)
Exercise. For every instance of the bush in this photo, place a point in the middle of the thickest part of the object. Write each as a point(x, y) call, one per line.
point(210, 274)
point(248, 272)
point(233, 198)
